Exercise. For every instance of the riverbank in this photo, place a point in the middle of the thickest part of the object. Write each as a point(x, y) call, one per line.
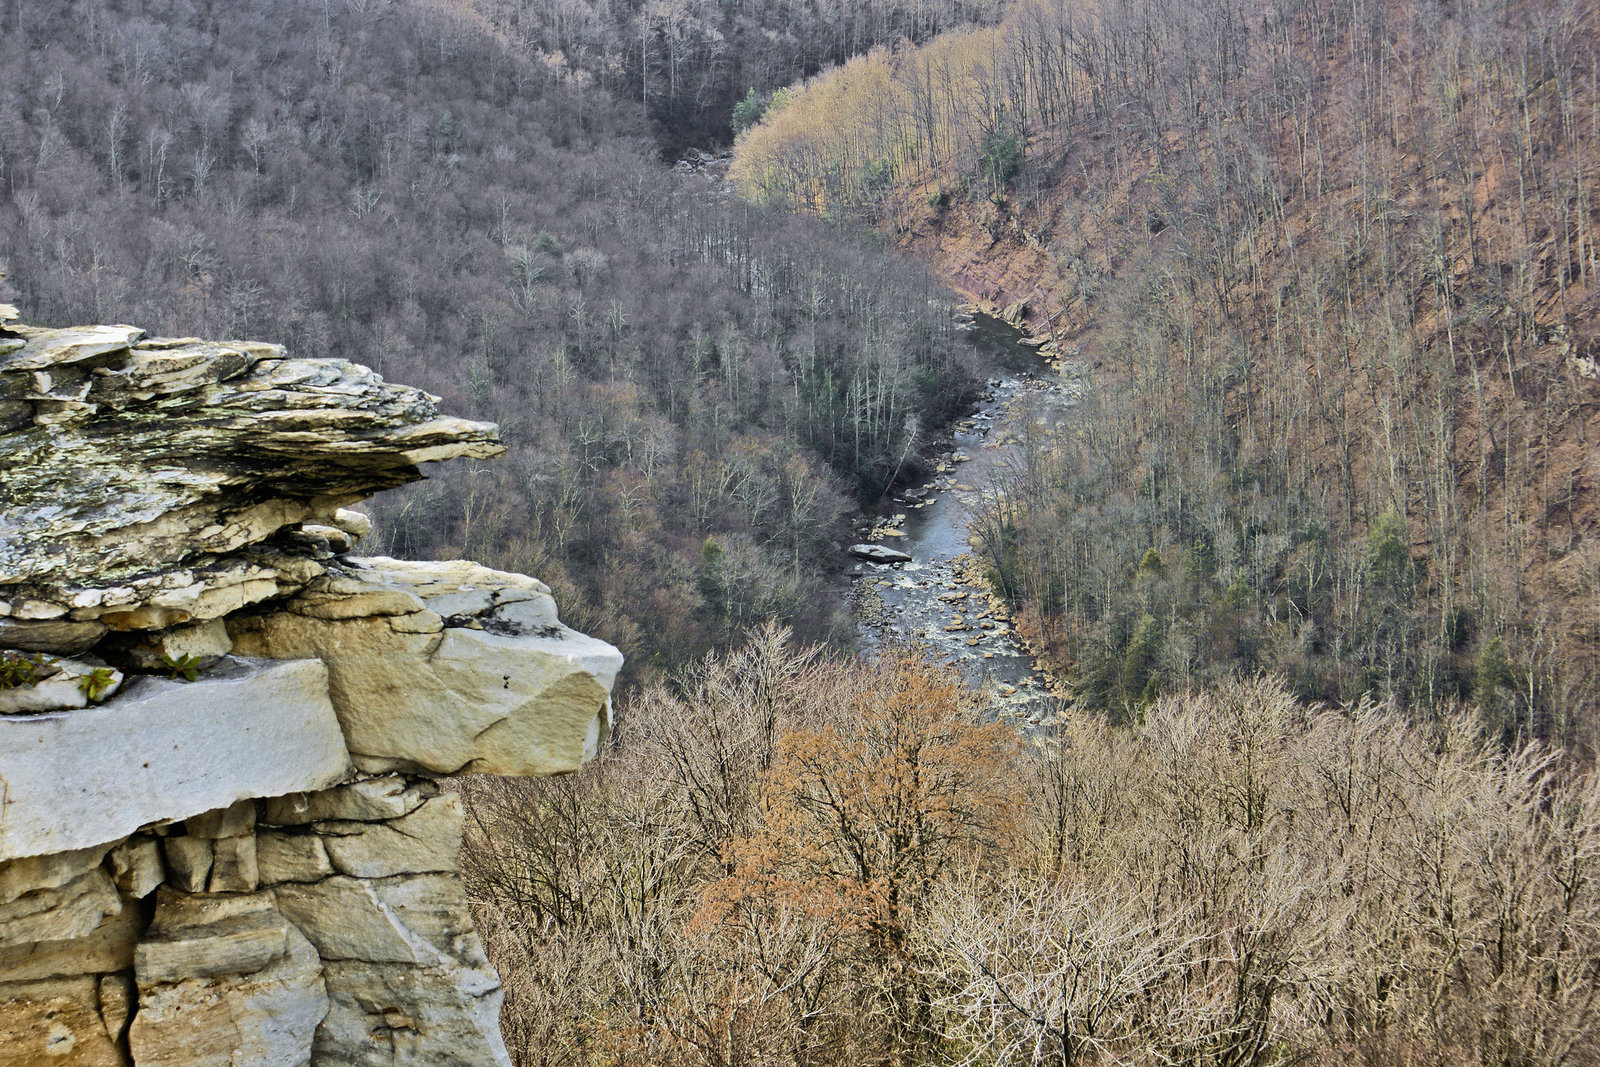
point(941, 599)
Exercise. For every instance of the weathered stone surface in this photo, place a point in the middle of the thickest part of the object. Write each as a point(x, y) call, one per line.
point(331, 538)
point(414, 919)
point(267, 1018)
point(64, 688)
point(153, 489)
point(55, 1023)
point(284, 857)
point(62, 637)
point(116, 1003)
point(37, 873)
point(233, 865)
point(201, 644)
point(73, 910)
point(123, 482)
point(165, 750)
point(407, 976)
point(501, 690)
point(204, 588)
point(108, 948)
point(234, 820)
point(136, 867)
point(427, 840)
point(188, 862)
point(389, 796)
point(384, 1016)
point(203, 936)
point(353, 523)
point(467, 594)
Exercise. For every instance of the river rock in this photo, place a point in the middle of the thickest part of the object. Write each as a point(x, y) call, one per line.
point(879, 554)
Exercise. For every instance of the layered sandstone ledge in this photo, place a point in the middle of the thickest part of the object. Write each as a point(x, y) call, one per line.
point(222, 840)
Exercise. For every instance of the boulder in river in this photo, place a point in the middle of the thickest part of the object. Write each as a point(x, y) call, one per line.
point(879, 554)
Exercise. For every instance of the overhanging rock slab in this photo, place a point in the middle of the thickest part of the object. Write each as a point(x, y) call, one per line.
point(446, 668)
point(165, 750)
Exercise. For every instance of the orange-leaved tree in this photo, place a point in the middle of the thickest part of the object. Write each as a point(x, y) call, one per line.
point(864, 816)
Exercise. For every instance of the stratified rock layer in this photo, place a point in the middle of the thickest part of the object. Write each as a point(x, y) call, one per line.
point(447, 668)
point(220, 841)
point(146, 464)
point(166, 750)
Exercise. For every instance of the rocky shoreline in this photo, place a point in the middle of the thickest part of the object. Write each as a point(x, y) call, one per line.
point(939, 597)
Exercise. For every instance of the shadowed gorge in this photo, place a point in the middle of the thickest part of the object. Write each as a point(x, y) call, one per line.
point(1334, 269)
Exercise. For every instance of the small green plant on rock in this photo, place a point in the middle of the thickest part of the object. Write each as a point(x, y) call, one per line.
point(185, 667)
point(19, 669)
point(97, 683)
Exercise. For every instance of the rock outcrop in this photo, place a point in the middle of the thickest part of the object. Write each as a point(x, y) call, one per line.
point(412, 652)
point(222, 835)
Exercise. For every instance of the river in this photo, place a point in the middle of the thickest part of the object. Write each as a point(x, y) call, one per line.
point(939, 600)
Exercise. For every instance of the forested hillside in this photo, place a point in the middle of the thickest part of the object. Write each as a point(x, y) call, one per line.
point(695, 391)
point(1334, 268)
point(688, 62)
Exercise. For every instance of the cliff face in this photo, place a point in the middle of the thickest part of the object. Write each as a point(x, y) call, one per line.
point(222, 838)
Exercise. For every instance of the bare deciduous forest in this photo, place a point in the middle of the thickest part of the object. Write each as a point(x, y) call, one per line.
point(694, 390)
point(1316, 551)
point(1335, 269)
point(795, 860)
point(689, 62)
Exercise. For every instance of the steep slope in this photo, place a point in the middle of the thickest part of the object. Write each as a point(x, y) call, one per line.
point(401, 183)
point(1336, 269)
